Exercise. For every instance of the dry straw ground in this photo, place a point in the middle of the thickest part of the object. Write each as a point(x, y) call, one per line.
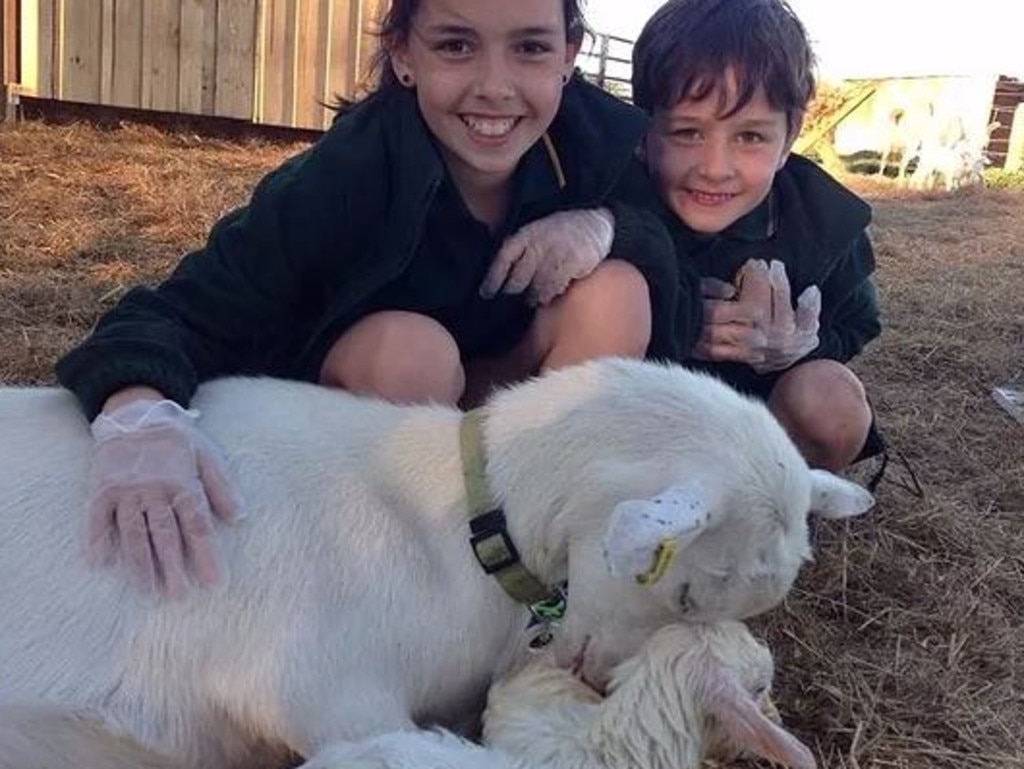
point(903, 644)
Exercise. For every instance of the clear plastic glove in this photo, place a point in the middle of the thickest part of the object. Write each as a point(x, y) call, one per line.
point(154, 480)
point(756, 323)
point(789, 334)
point(545, 256)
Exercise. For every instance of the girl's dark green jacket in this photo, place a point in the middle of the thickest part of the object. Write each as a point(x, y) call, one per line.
point(338, 230)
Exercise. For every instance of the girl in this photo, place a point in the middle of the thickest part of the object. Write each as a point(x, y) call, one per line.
point(358, 264)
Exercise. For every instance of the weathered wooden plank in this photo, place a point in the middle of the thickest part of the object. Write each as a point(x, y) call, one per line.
point(82, 59)
point(342, 53)
point(161, 34)
point(106, 50)
point(312, 49)
point(126, 78)
point(41, 48)
point(198, 52)
point(275, 66)
point(369, 13)
point(236, 58)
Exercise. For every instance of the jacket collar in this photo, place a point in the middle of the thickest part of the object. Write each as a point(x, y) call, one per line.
point(591, 123)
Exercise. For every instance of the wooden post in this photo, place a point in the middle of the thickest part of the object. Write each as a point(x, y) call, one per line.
point(8, 41)
point(602, 63)
point(9, 32)
point(1015, 151)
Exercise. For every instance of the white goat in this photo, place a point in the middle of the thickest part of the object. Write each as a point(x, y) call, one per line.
point(953, 164)
point(355, 606)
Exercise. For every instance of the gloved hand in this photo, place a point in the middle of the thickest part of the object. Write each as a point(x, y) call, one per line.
point(545, 256)
point(756, 323)
point(789, 334)
point(154, 480)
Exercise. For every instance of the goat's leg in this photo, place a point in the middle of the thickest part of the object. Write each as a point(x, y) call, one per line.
point(410, 749)
point(883, 160)
point(47, 736)
point(345, 714)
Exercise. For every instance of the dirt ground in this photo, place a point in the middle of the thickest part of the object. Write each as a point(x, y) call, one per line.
point(903, 643)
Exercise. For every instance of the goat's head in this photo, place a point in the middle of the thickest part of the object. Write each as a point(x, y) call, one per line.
point(669, 496)
point(707, 521)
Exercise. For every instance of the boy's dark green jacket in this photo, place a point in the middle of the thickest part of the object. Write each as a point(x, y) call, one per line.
point(818, 228)
point(280, 279)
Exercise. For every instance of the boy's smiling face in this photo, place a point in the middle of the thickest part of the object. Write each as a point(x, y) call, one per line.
point(712, 170)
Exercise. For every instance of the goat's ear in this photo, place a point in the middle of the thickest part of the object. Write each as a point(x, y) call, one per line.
point(640, 530)
point(748, 728)
point(835, 497)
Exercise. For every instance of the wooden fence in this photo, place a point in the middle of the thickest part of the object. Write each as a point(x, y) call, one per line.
point(268, 61)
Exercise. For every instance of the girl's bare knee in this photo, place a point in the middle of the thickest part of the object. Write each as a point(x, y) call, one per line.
point(399, 356)
point(607, 313)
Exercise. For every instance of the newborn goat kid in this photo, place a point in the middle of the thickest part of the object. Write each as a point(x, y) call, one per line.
point(694, 692)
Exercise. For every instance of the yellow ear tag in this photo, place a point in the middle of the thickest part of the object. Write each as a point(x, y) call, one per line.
point(662, 560)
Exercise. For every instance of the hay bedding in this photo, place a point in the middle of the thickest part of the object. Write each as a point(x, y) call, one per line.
point(903, 644)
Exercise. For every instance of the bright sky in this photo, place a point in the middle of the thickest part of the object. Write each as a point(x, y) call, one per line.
point(866, 38)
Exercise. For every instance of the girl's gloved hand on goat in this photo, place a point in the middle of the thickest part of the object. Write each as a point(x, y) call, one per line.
point(156, 484)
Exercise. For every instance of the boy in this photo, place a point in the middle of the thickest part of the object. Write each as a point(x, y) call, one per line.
point(726, 84)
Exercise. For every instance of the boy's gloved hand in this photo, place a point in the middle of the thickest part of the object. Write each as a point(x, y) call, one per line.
point(788, 335)
point(154, 480)
point(756, 323)
point(545, 256)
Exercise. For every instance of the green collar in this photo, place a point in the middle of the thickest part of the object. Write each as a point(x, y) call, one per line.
point(489, 535)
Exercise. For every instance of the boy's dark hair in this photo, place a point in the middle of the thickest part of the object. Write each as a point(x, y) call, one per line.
point(688, 46)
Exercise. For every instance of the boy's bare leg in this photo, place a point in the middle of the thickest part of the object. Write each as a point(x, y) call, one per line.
point(823, 406)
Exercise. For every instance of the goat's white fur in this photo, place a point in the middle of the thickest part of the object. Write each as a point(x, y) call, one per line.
point(354, 605)
point(693, 692)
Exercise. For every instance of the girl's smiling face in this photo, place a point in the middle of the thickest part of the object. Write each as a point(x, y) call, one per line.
point(712, 167)
point(488, 76)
